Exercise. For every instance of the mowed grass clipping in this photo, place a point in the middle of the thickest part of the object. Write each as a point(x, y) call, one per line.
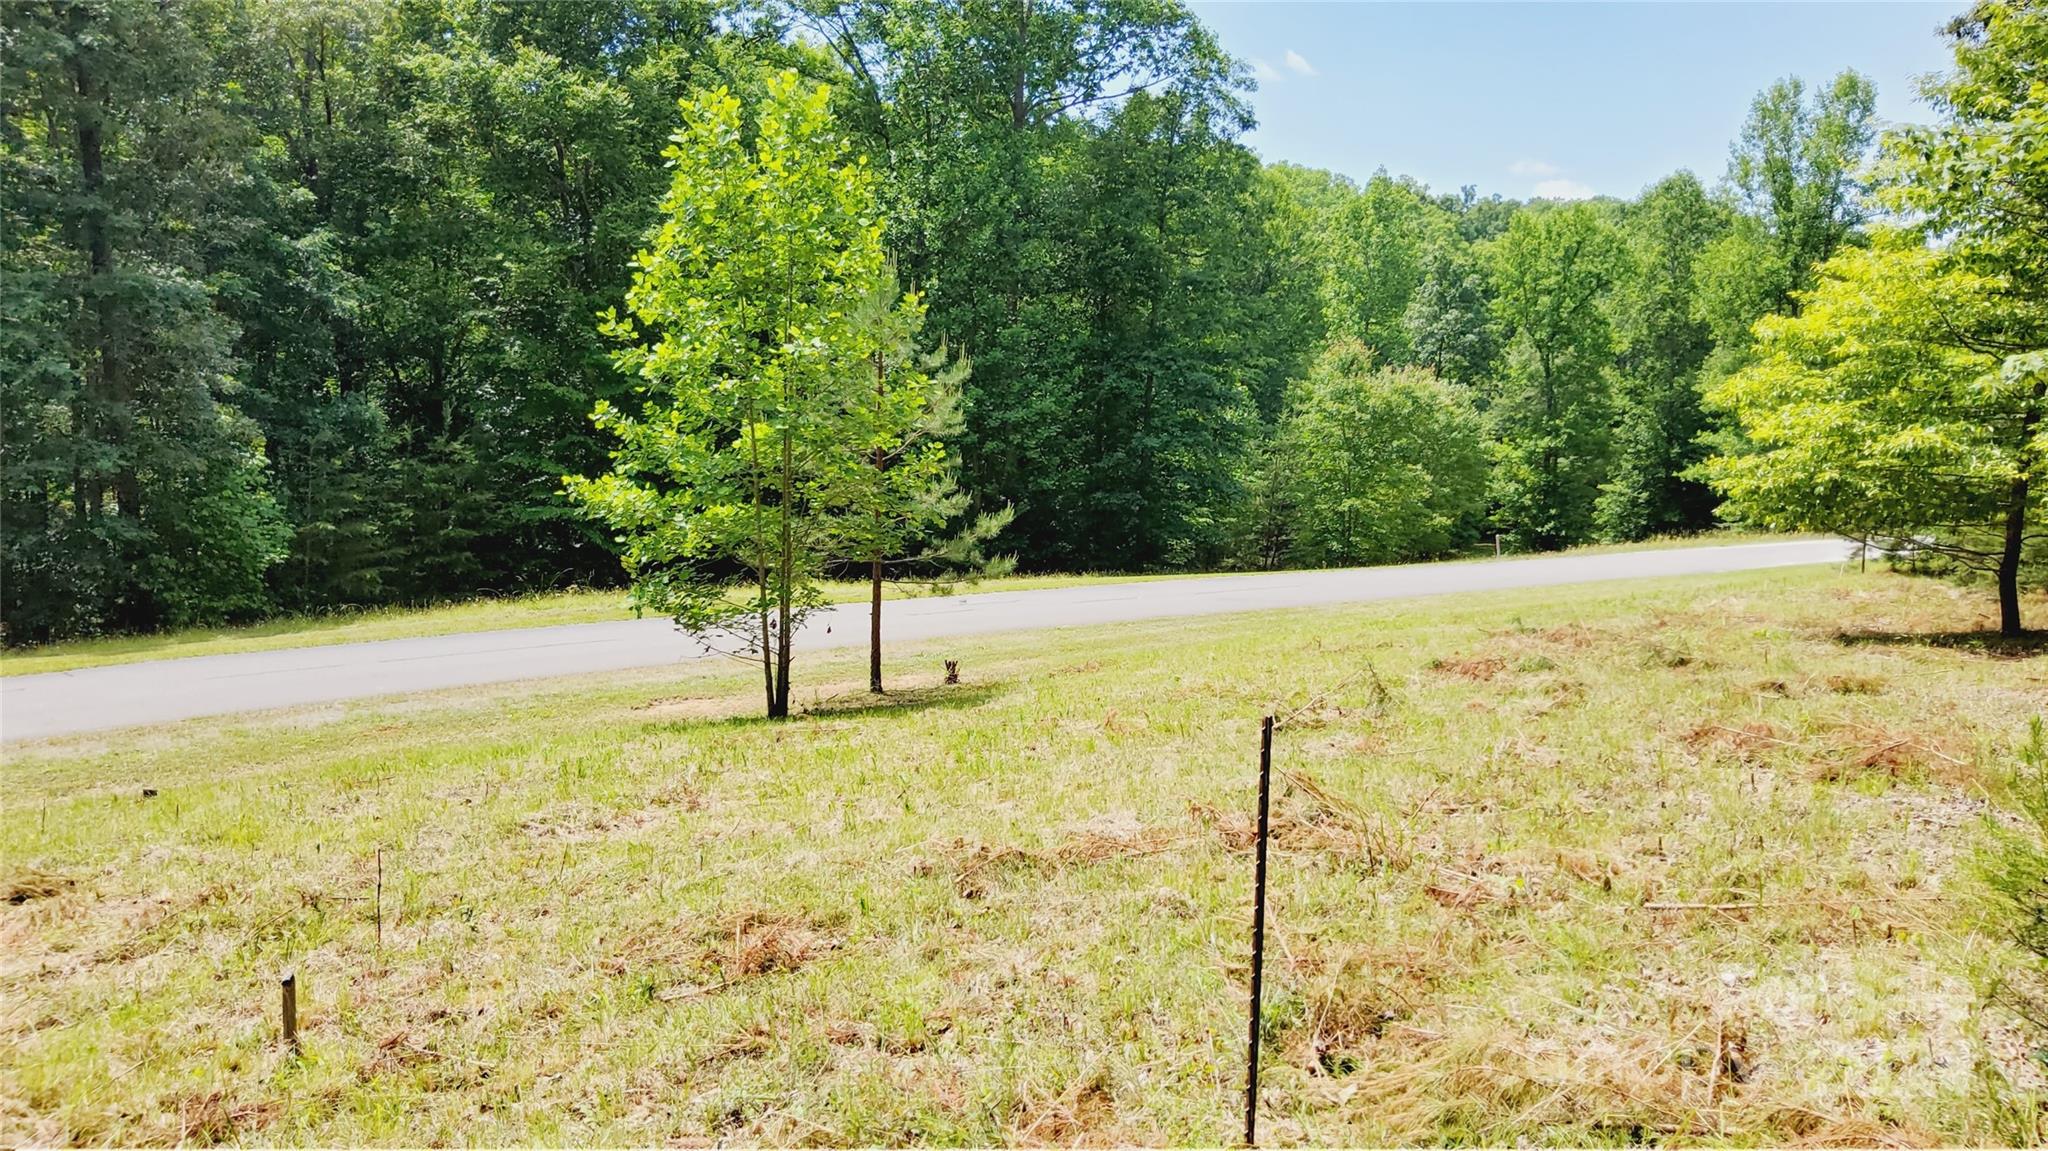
point(1673, 861)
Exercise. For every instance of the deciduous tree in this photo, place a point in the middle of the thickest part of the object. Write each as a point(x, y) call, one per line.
point(1379, 464)
point(1798, 167)
point(1978, 181)
point(135, 494)
point(1865, 415)
point(1662, 342)
point(1552, 410)
point(733, 481)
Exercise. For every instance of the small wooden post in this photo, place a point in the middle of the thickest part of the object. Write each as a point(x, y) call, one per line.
point(1496, 545)
point(290, 985)
point(380, 899)
point(1251, 1075)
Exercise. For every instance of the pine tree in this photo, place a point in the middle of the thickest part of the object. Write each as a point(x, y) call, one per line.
point(905, 409)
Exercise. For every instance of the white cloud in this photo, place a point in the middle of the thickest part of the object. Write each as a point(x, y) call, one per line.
point(1263, 72)
point(1537, 168)
point(1561, 190)
point(1298, 63)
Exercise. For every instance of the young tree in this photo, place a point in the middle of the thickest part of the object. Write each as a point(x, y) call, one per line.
point(903, 410)
point(1379, 464)
point(1552, 270)
point(731, 487)
point(1867, 417)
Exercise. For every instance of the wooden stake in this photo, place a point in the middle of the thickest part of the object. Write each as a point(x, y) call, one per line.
point(380, 898)
point(1251, 1074)
point(290, 984)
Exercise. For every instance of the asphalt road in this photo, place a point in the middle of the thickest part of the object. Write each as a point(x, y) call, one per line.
point(64, 703)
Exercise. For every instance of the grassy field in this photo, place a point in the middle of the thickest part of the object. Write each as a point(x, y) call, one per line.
point(581, 606)
point(1673, 861)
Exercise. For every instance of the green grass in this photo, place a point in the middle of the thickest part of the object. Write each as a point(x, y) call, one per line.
point(621, 909)
point(542, 610)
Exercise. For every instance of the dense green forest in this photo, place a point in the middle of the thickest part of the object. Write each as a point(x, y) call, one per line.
point(301, 297)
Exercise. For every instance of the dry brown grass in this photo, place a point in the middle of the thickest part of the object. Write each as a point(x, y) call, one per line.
point(32, 883)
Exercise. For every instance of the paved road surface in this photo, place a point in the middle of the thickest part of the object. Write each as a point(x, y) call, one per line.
point(63, 703)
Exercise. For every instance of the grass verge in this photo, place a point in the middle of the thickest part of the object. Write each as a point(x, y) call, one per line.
point(541, 610)
point(548, 609)
point(1672, 861)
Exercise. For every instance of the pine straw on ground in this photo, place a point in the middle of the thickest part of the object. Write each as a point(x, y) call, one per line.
point(1666, 863)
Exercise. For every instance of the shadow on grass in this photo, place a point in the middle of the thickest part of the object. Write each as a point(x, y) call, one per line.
point(946, 695)
point(2026, 645)
point(846, 705)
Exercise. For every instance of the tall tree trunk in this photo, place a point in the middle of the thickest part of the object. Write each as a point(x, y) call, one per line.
point(880, 459)
point(2009, 560)
point(1020, 99)
point(111, 398)
point(2016, 515)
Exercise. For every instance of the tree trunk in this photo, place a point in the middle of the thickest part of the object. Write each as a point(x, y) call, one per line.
point(778, 694)
point(111, 395)
point(778, 706)
point(116, 397)
point(767, 657)
point(875, 624)
point(2009, 560)
point(761, 586)
point(880, 459)
point(2016, 515)
point(1020, 100)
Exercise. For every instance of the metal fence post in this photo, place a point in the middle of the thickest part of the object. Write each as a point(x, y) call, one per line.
point(1251, 1077)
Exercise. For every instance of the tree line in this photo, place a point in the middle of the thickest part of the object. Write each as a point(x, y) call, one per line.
point(301, 305)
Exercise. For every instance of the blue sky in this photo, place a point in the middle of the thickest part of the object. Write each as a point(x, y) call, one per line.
point(1558, 99)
